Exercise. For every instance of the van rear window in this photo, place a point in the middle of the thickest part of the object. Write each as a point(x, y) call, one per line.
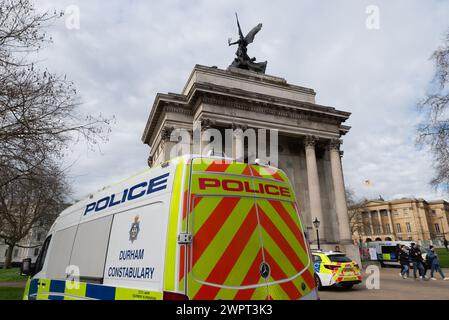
point(339, 258)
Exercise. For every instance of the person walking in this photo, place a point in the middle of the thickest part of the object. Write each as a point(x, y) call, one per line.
point(397, 253)
point(446, 244)
point(404, 259)
point(416, 258)
point(435, 264)
point(422, 264)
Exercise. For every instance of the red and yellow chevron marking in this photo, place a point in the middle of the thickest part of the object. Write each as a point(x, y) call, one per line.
point(268, 173)
point(233, 167)
point(223, 166)
point(283, 241)
point(227, 252)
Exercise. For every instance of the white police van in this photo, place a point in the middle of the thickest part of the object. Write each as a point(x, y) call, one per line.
point(187, 229)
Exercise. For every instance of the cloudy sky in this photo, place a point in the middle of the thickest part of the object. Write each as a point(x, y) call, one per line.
point(126, 51)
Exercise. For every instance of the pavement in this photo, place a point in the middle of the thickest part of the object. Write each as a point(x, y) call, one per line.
point(20, 284)
point(393, 287)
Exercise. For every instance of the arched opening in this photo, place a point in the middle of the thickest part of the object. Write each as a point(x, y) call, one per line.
point(388, 239)
point(368, 240)
point(378, 239)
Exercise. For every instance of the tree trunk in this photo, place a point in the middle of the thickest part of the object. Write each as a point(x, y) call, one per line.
point(8, 258)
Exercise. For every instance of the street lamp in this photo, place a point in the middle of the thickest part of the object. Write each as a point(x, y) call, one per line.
point(316, 224)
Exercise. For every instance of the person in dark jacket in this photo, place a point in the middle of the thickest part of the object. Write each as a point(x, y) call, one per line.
point(435, 263)
point(404, 261)
point(446, 244)
point(397, 253)
point(416, 260)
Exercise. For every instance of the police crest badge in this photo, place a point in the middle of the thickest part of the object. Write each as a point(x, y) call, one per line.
point(135, 228)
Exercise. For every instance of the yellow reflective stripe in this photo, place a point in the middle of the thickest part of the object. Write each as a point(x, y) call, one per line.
point(137, 294)
point(75, 289)
point(278, 255)
point(170, 254)
point(201, 164)
point(241, 267)
point(260, 293)
point(43, 289)
point(236, 168)
point(276, 292)
point(284, 229)
point(203, 209)
point(218, 245)
point(27, 289)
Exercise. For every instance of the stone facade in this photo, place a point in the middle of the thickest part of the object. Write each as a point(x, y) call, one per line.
point(32, 244)
point(402, 219)
point(309, 136)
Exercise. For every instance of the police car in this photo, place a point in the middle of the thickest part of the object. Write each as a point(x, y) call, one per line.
point(191, 228)
point(335, 269)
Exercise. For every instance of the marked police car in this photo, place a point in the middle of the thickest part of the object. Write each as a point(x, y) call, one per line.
point(335, 269)
point(191, 228)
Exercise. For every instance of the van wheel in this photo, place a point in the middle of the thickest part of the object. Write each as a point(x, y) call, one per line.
point(318, 282)
point(347, 286)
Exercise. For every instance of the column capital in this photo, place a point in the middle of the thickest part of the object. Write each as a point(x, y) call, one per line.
point(166, 133)
point(334, 144)
point(310, 141)
point(206, 124)
point(236, 126)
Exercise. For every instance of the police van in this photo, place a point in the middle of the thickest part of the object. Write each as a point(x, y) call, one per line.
point(191, 228)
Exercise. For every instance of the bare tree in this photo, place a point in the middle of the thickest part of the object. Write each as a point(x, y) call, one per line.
point(39, 111)
point(433, 132)
point(40, 116)
point(355, 209)
point(28, 202)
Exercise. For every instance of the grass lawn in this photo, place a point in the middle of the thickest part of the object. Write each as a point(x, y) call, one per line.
point(11, 293)
point(11, 275)
point(443, 254)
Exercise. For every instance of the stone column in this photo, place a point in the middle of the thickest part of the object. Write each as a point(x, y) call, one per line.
point(167, 144)
point(239, 140)
point(314, 184)
point(380, 222)
point(339, 190)
point(371, 223)
point(391, 222)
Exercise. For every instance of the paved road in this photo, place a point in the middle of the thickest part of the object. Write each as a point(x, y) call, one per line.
point(393, 287)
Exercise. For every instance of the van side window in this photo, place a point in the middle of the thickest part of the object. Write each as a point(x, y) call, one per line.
point(41, 258)
point(90, 247)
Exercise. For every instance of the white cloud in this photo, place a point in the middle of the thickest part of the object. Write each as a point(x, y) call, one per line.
point(126, 52)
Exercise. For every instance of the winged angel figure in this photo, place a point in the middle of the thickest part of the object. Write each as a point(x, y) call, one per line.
point(243, 61)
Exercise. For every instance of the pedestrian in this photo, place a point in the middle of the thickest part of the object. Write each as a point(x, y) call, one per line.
point(446, 244)
point(415, 259)
point(404, 261)
point(397, 252)
point(435, 264)
point(422, 263)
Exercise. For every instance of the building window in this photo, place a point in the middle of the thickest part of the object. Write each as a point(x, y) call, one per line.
point(378, 230)
point(16, 253)
point(387, 227)
point(398, 228)
point(437, 228)
point(395, 212)
point(36, 251)
point(39, 237)
point(434, 212)
point(409, 228)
